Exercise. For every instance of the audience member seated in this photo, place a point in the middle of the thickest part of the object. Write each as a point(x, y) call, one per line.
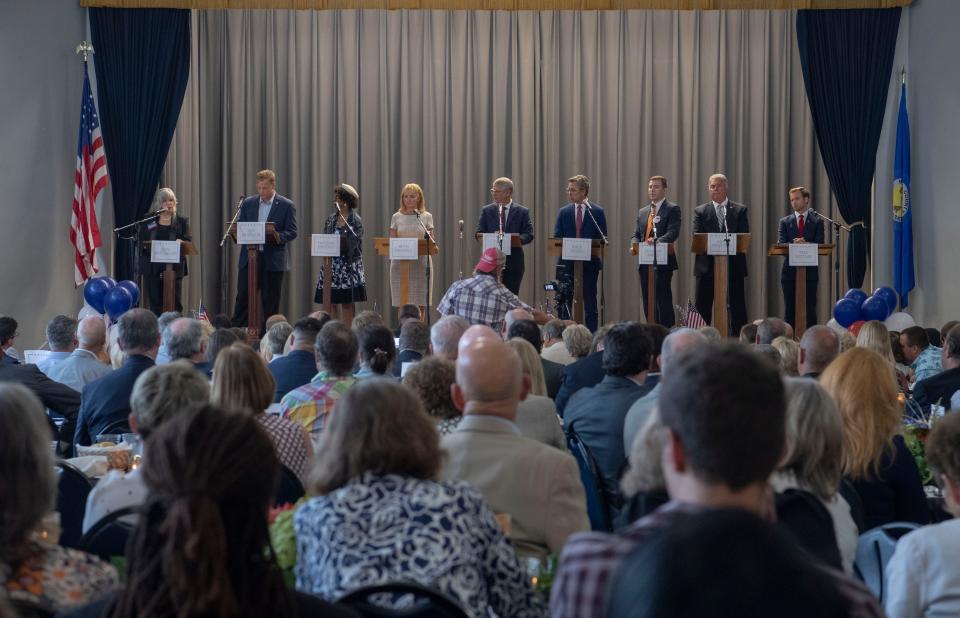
point(273, 320)
point(924, 357)
point(106, 402)
point(874, 336)
point(377, 351)
point(553, 347)
point(311, 404)
point(679, 340)
point(720, 446)
point(657, 333)
point(34, 571)
point(726, 563)
point(221, 320)
point(8, 332)
point(789, 351)
point(84, 364)
point(163, 323)
point(220, 340)
point(431, 380)
point(578, 341)
point(812, 462)
point(923, 576)
point(597, 413)
point(819, 345)
point(405, 313)
point(643, 487)
point(583, 373)
point(159, 395)
point(298, 366)
point(769, 329)
point(242, 333)
point(201, 546)
point(947, 328)
point(538, 486)
point(241, 382)
point(770, 353)
point(62, 341)
point(380, 455)
point(552, 372)
point(187, 343)
point(366, 318)
point(414, 344)
point(748, 333)
point(271, 346)
point(939, 388)
point(536, 415)
point(445, 336)
point(875, 458)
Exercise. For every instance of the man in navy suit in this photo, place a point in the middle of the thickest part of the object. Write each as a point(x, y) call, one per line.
point(274, 259)
point(513, 219)
point(802, 226)
point(105, 403)
point(720, 215)
point(581, 218)
point(298, 366)
point(659, 220)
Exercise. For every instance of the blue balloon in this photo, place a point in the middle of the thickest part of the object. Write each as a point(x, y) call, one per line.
point(110, 282)
point(856, 295)
point(889, 295)
point(846, 312)
point(117, 302)
point(875, 308)
point(94, 291)
point(131, 287)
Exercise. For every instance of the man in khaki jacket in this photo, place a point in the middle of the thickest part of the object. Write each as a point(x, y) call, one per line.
point(536, 485)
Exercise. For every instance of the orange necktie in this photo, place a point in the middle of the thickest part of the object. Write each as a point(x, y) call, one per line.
point(649, 222)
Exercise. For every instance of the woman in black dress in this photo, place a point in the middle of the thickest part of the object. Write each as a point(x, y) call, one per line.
point(168, 226)
point(348, 285)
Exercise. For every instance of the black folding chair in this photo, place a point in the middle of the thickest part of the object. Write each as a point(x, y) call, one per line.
point(108, 537)
point(413, 601)
point(598, 510)
point(73, 487)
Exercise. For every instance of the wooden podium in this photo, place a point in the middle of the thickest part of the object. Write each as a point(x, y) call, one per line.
point(169, 276)
point(382, 246)
point(800, 284)
point(555, 249)
point(721, 278)
point(254, 302)
point(651, 282)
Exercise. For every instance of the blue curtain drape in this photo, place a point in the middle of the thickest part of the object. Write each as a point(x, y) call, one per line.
point(142, 60)
point(846, 57)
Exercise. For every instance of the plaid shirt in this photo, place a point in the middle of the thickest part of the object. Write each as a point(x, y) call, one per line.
point(481, 299)
point(311, 404)
point(590, 560)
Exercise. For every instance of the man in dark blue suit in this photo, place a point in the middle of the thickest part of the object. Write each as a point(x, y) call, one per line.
point(584, 373)
point(513, 219)
point(802, 226)
point(105, 403)
point(274, 259)
point(659, 220)
point(581, 218)
point(298, 366)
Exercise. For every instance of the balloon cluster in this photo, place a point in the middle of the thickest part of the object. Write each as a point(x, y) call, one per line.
point(856, 308)
point(111, 297)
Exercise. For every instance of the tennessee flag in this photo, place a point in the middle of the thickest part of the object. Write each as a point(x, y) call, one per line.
point(903, 279)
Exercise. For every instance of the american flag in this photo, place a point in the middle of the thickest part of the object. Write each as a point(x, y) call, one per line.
point(693, 319)
point(202, 313)
point(91, 178)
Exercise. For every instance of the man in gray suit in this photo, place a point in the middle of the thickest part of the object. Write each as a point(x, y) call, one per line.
point(83, 366)
point(536, 485)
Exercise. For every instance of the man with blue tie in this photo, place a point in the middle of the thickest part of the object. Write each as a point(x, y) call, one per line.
point(581, 218)
point(511, 218)
point(802, 226)
point(274, 258)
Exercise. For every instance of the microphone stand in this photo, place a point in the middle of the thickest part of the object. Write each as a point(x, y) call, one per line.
point(224, 266)
point(656, 273)
point(136, 241)
point(500, 231)
point(430, 239)
point(837, 226)
point(603, 296)
point(460, 223)
point(726, 241)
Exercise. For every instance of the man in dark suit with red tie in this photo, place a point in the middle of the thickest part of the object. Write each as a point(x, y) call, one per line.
point(659, 220)
point(721, 215)
point(582, 218)
point(505, 214)
point(803, 226)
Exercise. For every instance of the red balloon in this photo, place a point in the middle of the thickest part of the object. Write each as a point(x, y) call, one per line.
point(855, 327)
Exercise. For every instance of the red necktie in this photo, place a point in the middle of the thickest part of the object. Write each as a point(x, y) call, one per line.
point(800, 224)
point(579, 219)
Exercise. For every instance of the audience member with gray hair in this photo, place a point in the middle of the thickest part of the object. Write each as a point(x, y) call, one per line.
point(819, 345)
point(577, 340)
point(445, 336)
point(62, 339)
point(271, 346)
point(159, 395)
point(59, 579)
point(187, 343)
point(106, 402)
point(769, 329)
point(85, 364)
point(414, 344)
point(164, 321)
point(712, 334)
point(789, 351)
point(554, 347)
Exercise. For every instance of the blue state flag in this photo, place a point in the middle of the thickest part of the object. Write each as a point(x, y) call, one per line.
point(903, 279)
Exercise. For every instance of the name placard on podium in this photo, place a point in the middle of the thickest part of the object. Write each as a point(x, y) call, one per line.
point(576, 249)
point(165, 252)
point(645, 252)
point(325, 245)
point(404, 249)
point(804, 254)
point(251, 233)
point(493, 241)
point(717, 244)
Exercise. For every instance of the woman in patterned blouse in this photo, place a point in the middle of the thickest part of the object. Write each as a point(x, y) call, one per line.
point(381, 516)
point(241, 381)
point(33, 571)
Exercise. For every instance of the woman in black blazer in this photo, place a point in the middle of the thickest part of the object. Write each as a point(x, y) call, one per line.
point(168, 226)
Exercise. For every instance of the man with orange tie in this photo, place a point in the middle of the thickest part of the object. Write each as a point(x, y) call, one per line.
point(803, 225)
point(659, 221)
point(581, 218)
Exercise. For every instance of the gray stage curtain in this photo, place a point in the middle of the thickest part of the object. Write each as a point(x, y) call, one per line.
point(453, 99)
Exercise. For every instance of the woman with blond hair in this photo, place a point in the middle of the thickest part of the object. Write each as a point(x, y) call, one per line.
point(875, 459)
point(241, 381)
point(412, 220)
point(537, 414)
point(789, 351)
point(166, 226)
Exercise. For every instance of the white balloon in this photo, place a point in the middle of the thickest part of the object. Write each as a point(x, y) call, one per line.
point(87, 311)
point(899, 321)
point(832, 323)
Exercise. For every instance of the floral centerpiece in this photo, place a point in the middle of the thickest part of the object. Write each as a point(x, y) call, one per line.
point(916, 429)
point(283, 538)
